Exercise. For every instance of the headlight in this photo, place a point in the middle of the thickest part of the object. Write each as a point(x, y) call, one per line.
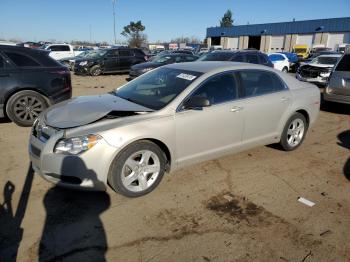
point(326, 74)
point(83, 63)
point(146, 69)
point(76, 145)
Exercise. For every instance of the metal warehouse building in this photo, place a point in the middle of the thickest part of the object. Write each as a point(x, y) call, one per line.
point(282, 36)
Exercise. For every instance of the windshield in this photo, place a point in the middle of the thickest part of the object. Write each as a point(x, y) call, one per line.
point(157, 88)
point(325, 60)
point(216, 56)
point(95, 54)
point(162, 59)
point(299, 50)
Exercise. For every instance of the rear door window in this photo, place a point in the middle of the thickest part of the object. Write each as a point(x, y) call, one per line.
point(124, 53)
point(2, 63)
point(238, 58)
point(252, 58)
point(219, 89)
point(21, 60)
point(59, 48)
point(344, 64)
point(259, 82)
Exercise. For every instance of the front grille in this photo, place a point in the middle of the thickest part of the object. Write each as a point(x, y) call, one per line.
point(309, 73)
point(66, 179)
point(36, 151)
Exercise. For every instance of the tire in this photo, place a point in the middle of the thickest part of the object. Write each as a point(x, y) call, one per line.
point(95, 70)
point(285, 70)
point(294, 132)
point(129, 173)
point(25, 106)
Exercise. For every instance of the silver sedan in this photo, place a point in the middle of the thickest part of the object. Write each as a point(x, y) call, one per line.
point(168, 118)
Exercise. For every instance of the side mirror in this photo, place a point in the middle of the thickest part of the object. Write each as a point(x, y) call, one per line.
point(197, 103)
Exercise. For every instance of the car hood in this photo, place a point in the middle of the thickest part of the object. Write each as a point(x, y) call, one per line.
point(84, 110)
point(320, 65)
point(146, 65)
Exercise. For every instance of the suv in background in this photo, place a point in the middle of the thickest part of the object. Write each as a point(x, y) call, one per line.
point(245, 56)
point(113, 60)
point(30, 81)
point(338, 88)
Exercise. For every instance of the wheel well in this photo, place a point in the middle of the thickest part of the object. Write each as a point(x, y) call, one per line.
point(305, 114)
point(164, 148)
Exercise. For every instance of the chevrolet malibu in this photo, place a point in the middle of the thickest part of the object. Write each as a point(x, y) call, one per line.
point(170, 117)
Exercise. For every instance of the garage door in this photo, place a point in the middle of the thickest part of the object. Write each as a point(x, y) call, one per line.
point(305, 40)
point(337, 38)
point(277, 43)
point(233, 43)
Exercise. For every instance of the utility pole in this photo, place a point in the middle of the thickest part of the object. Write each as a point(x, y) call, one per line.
point(90, 33)
point(115, 39)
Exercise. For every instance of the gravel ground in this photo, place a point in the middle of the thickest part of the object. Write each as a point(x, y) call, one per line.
point(240, 207)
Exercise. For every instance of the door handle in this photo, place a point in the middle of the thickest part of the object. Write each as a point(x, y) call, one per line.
point(285, 99)
point(236, 109)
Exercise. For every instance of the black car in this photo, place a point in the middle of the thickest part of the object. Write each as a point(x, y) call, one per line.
point(246, 56)
point(113, 60)
point(30, 81)
point(160, 60)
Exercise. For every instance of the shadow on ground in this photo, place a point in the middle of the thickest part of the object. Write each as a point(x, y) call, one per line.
point(73, 230)
point(11, 232)
point(344, 141)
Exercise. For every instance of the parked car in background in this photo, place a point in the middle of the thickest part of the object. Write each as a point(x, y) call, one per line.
point(70, 61)
point(293, 60)
point(30, 44)
point(280, 61)
point(30, 81)
point(113, 60)
point(171, 117)
point(246, 56)
point(59, 51)
point(316, 54)
point(338, 88)
point(343, 47)
point(318, 70)
point(302, 51)
point(159, 61)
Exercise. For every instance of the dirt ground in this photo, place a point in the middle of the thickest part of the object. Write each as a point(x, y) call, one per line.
point(241, 207)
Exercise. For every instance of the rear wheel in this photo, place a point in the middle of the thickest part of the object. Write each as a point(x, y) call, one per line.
point(95, 70)
point(25, 106)
point(294, 132)
point(285, 69)
point(138, 169)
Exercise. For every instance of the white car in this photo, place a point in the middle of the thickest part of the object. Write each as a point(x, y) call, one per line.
point(280, 61)
point(60, 51)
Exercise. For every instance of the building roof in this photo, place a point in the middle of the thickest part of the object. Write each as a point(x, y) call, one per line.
point(295, 27)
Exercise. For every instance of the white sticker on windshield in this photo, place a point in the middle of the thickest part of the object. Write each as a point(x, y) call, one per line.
point(186, 76)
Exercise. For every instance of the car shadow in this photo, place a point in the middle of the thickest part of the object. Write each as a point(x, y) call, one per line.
point(73, 229)
point(337, 108)
point(11, 232)
point(344, 141)
point(4, 120)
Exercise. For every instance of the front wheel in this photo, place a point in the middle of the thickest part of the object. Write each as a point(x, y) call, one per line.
point(95, 70)
point(138, 169)
point(294, 132)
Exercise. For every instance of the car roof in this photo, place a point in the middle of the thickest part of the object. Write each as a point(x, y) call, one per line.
point(208, 66)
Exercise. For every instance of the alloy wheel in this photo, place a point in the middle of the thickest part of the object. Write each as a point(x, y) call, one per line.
point(295, 132)
point(140, 170)
point(28, 108)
